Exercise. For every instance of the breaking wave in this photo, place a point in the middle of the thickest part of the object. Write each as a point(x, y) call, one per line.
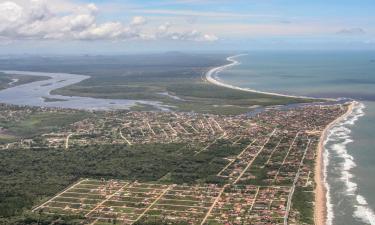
point(337, 140)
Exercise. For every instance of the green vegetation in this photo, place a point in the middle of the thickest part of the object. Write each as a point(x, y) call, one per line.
point(157, 221)
point(31, 176)
point(145, 77)
point(41, 219)
point(302, 202)
point(53, 99)
point(197, 94)
point(6, 138)
point(41, 122)
point(6, 79)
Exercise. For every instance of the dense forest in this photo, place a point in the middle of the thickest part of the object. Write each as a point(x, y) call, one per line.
point(30, 177)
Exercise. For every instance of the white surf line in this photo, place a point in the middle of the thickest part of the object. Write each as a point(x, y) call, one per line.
point(325, 153)
point(211, 77)
point(340, 129)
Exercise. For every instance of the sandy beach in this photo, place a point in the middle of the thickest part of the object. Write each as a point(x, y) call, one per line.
point(211, 77)
point(320, 212)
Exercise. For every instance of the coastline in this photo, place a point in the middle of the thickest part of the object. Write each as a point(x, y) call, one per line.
point(320, 211)
point(210, 77)
point(320, 208)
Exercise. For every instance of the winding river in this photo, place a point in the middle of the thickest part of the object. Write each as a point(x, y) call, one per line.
point(39, 94)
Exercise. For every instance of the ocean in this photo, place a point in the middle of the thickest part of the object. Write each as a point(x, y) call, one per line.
point(350, 147)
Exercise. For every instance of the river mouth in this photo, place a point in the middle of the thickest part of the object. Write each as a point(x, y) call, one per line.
point(39, 94)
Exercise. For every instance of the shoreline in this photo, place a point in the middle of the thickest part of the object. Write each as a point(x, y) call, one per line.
point(210, 77)
point(320, 209)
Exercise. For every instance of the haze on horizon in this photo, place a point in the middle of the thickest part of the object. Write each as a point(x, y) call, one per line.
point(114, 26)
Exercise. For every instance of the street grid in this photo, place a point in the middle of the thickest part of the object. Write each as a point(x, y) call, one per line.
point(277, 154)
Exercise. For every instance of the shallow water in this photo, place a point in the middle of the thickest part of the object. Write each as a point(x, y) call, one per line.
point(350, 148)
point(35, 94)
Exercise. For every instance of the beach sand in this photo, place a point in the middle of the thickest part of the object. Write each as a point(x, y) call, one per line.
point(211, 77)
point(320, 211)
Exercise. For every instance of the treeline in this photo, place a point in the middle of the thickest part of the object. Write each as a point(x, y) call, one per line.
point(29, 177)
point(41, 219)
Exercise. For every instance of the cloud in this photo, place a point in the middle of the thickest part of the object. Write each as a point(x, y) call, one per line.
point(138, 20)
point(63, 20)
point(164, 32)
point(351, 31)
point(207, 14)
point(210, 37)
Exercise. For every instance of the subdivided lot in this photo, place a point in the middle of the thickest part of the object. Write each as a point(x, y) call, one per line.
point(121, 202)
point(256, 170)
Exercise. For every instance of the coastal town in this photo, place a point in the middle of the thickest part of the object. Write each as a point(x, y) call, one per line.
point(273, 161)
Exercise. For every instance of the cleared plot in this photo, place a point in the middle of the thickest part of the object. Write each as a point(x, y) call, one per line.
point(187, 203)
point(250, 205)
point(233, 204)
point(104, 202)
point(115, 201)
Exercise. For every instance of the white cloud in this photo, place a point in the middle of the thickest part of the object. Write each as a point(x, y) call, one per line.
point(207, 14)
point(92, 7)
point(162, 29)
point(210, 37)
point(165, 32)
point(10, 12)
point(138, 20)
point(63, 20)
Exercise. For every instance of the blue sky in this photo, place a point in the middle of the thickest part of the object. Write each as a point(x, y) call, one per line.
point(114, 26)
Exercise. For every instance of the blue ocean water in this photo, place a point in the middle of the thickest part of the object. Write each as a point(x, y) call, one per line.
point(350, 147)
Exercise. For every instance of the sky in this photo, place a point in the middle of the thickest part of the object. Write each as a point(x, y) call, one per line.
point(125, 26)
